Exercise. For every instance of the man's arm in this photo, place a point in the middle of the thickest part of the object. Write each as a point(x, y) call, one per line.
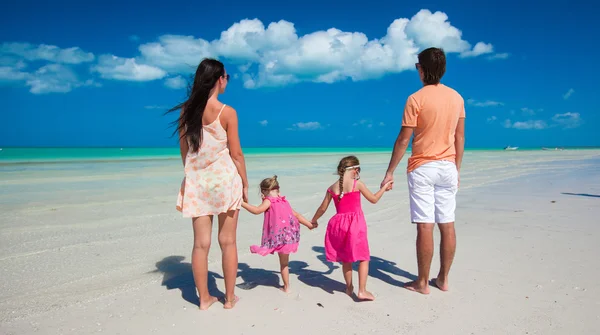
point(409, 122)
point(459, 142)
point(400, 147)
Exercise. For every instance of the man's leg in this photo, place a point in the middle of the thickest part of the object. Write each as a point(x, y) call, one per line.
point(421, 193)
point(445, 206)
point(447, 250)
point(424, 257)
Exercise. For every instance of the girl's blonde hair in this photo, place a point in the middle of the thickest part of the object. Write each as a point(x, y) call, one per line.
point(268, 185)
point(344, 164)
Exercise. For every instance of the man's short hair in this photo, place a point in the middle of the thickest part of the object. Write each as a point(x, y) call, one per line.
point(433, 64)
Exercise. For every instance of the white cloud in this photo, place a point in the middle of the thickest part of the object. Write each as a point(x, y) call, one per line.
point(499, 56)
point(568, 94)
point(568, 120)
point(113, 67)
point(479, 49)
point(264, 123)
point(55, 78)
point(276, 55)
point(176, 82)
point(9, 73)
point(134, 38)
point(367, 123)
point(50, 53)
point(306, 126)
point(487, 103)
point(491, 119)
point(175, 53)
point(527, 111)
point(526, 125)
point(156, 107)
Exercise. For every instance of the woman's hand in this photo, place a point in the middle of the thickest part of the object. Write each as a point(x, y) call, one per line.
point(245, 194)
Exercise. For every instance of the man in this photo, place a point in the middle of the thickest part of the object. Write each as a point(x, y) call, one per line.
point(435, 114)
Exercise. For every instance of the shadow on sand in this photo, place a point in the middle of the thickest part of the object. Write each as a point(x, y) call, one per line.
point(582, 194)
point(178, 275)
point(257, 277)
point(378, 268)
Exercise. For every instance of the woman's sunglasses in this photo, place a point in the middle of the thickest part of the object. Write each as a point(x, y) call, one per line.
point(226, 77)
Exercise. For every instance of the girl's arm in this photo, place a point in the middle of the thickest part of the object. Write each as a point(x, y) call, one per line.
point(257, 210)
point(304, 221)
point(235, 148)
point(373, 198)
point(323, 208)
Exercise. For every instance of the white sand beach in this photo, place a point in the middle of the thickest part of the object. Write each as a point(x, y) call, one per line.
point(89, 248)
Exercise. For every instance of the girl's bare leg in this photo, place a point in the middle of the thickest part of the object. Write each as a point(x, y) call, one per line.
point(227, 240)
point(363, 274)
point(284, 260)
point(202, 232)
point(347, 269)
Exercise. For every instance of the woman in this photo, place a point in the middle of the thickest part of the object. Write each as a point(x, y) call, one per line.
point(215, 180)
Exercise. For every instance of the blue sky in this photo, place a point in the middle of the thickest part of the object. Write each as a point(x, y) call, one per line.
point(314, 73)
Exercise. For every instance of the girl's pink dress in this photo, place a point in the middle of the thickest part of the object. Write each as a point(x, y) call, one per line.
point(281, 230)
point(346, 236)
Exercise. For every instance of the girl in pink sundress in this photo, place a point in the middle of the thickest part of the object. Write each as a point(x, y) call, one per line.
point(281, 229)
point(346, 237)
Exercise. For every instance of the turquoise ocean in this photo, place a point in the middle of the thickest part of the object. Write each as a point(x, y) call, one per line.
point(13, 155)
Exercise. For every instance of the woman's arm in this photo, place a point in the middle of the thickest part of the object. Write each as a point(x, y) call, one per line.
point(183, 143)
point(373, 198)
point(257, 210)
point(304, 221)
point(235, 148)
point(323, 208)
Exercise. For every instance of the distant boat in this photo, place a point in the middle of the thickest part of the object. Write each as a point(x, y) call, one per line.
point(509, 148)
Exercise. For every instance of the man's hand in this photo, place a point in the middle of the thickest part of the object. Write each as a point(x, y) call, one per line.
point(388, 178)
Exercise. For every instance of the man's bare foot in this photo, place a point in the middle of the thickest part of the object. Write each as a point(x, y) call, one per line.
point(205, 304)
point(285, 289)
point(365, 296)
point(417, 287)
point(229, 304)
point(441, 284)
point(350, 290)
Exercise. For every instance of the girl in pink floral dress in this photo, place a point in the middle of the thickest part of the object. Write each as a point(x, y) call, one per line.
point(281, 229)
point(346, 237)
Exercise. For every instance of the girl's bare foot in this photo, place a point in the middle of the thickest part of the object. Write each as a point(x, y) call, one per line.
point(366, 296)
point(285, 289)
point(205, 304)
point(229, 304)
point(415, 286)
point(350, 290)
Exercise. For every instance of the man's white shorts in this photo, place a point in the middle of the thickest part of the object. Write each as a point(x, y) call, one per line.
point(432, 190)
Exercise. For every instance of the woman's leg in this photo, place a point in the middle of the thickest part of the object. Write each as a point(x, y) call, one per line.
point(347, 270)
point(202, 232)
point(227, 240)
point(363, 274)
point(284, 260)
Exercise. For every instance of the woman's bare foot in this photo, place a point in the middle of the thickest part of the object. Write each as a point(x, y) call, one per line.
point(229, 304)
point(441, 284)
point(285, 289)
point(205, 304)
point(350, 290)
point(365, 296)
point(417, 287)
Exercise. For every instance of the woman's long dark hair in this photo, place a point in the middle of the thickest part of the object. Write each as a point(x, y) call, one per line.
point(190, 121)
